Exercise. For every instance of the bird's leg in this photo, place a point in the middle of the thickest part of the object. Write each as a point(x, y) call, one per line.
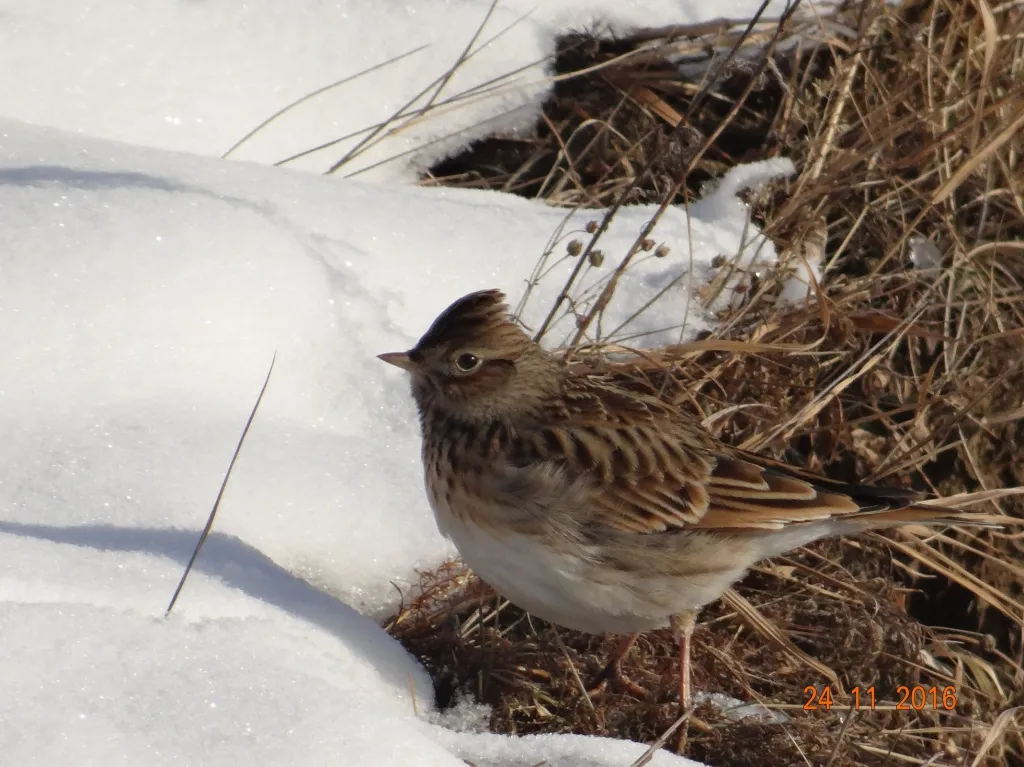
point(612, 672)
point(682, 630)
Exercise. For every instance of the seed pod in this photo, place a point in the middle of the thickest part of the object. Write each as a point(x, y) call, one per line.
point(574, 248)
point(596, 257)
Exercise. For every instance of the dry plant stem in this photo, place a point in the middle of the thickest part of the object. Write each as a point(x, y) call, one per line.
point(313, 94)
point(587, 694)
point(648, 227)
point(437, 85)
point(462, 57)
point(489, 88)
point(583, 259)
point(416, 115)
point(646, 757)
point(612, 282)
point(220, 494)
point(420, 147)
point(406, 111)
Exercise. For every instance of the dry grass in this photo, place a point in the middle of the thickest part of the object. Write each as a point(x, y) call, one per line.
point(906, 125)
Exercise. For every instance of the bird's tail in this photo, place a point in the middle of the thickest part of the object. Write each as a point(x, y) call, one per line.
point(927, 514)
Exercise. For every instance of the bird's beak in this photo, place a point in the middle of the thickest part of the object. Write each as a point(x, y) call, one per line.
point(399, 360)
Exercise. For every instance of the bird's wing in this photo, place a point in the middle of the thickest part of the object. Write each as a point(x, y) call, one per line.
point(656, 470)
point(755, 492)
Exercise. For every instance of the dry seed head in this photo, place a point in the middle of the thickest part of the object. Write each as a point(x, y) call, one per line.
point(661, 251)
point(574, 248)
point(591, 227)
point(646, 244)
point(596, 257)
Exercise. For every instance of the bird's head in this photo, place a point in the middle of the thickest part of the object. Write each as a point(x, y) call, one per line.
point(476, 363)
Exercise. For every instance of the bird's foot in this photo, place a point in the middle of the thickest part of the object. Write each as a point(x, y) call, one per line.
point(611, 675)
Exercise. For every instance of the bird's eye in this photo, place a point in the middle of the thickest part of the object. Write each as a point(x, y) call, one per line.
point(467, 362)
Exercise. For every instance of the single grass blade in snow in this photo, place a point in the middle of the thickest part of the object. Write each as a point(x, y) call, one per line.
point(436, 85)
point(314, 94)
point(220, 494)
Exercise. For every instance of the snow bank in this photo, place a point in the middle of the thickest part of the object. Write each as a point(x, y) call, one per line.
point(142, 296)
point(198, 76)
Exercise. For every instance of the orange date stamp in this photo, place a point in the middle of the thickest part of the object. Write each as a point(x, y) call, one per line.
point(909, 698)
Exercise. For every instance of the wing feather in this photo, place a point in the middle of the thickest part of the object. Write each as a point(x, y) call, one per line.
point(657, 470)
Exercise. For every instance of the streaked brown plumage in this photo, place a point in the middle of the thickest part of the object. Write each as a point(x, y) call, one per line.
point(598, 508)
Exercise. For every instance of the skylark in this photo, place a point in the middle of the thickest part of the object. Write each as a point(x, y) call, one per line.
point(595, 507)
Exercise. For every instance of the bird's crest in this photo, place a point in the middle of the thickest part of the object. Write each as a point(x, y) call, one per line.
point(471, 318)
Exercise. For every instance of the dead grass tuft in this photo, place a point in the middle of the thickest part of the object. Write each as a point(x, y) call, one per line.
point(906, 125)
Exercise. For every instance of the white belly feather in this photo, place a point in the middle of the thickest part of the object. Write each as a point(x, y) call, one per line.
point(569, 590)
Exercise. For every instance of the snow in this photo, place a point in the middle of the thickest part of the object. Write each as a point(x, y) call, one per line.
point(143, 294)
point(143, 297)
point(737, 711)
point(198, 76)
point(924, 254)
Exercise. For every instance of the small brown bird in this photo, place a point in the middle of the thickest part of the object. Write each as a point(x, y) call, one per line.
point(598, 508)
